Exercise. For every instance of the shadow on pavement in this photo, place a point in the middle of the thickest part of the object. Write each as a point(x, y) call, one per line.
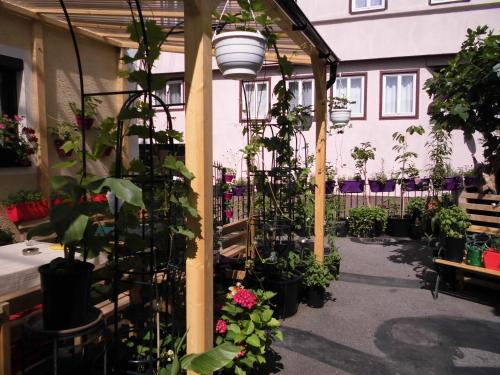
point(433, 345)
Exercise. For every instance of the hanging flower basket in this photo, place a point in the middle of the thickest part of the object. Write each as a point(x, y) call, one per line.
point(351, 186)
point(452, 183)
point(58, 143)
point(84, 123)
point(228, 178)
point(416, 184)
point(27, 211)
point(228, 195)
point(379, 187)
point(340, 116)
point(239, 54)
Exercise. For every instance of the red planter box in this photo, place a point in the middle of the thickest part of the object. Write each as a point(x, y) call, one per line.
point(28, 211)
point(491, 260)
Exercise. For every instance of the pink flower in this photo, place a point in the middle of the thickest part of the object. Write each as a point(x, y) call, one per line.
point(2, 126)
point(245, 298)
point(18, 118)
point(221, 327)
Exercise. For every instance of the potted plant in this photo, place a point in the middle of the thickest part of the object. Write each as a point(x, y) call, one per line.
point(25, 205)
point(18, 143)
point(330, 179)
point(333, 258)
point(247, 320)
point(301, 117)
point(416, 209)
point(452, 180)
point(6, 237)
point(228, 210)
point(367, 221)
point(414, 182)
point(239, 187)
point(62, 133)
point(90, 112)
point(66, 281)
point(399, 226)
point(240, 52)
point(470, 179)
point(491, 256)
point(105, 141)
point(380, 184)
point(351, 185)
point(439, 151)
point(340, 114)
point(228, 175)
point(453, 223)
point(316, 277)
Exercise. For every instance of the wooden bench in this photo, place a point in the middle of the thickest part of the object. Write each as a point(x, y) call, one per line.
point(483, 210)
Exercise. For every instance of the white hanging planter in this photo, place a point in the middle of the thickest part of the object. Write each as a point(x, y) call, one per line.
point(239, 54)
point(340, 116)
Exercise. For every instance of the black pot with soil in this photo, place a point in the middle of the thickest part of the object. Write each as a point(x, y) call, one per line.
point(288, 293)
point(65, 293)
point(416, 231)
point(454, 249)
point(341, 228)
point(398, 227)
point(315, 296)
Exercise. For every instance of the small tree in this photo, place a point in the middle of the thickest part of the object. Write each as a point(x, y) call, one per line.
point(466, 92)
point(361, 155)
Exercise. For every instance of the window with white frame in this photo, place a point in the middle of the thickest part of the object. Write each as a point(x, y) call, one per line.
point(172, 94)
point(399, 94)
point(255, 97)
point(352, 88)
point(365, 5)
point(302, 90)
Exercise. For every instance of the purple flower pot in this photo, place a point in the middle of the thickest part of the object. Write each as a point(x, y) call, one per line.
point(228, 214)
point(228, 195)
point(84, 123)
point(414, 184)
point(452, 183)
point(228, 178)
point(329, 186)
point(238, 191)
point(378, 187)
point(351, 186)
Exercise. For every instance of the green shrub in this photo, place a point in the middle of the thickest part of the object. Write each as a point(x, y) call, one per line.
point(453, 221)
point(317, 274)
point(416, 207)
point(22, 196)
point(362, 220)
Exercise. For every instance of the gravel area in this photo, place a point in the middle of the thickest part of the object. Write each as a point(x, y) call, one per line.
point(382, 319)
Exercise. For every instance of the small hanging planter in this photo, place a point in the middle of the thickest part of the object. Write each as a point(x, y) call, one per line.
point(453, 183)
point(228, 195)
point(228, 213)
point(229, 177)
point(340, 116)
point(84, 123)
point(239, 54)
point(58, 143)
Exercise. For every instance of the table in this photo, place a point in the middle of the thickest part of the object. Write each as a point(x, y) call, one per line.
point(20, 272)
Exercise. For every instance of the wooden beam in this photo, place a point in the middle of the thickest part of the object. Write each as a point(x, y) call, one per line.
point(149, 13)
point(320, 95)
point(39, 106)
point(199, 263)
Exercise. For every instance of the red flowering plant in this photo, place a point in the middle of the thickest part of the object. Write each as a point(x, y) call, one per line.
point(247, 320)
point(17, 142)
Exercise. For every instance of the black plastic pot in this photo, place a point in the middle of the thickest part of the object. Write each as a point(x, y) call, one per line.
point(315, 296)
point(341, 228)
point(288, 294)
point(398, 227)
point(454, 249)
point(416, 231)
point(65, 295)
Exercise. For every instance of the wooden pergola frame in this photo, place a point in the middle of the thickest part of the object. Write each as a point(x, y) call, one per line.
point(106, 21)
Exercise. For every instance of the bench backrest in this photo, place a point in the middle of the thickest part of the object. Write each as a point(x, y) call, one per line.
point(483, 210)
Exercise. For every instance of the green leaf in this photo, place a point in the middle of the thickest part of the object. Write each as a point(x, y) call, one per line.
point(125, 190)
point(65, 164)
point(76, 229)
point(239, 371)
point(250, 327)
point(266, 315)
point(255, 317)
point(234, 328)
point(273, 323)
point(211, 360)
point(279, 335)
point(253, 340)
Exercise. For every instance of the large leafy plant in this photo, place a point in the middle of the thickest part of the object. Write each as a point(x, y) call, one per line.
point(465, 93)
point(362, 220)
point(317, 274)
point(247, 320)
point(453, 221)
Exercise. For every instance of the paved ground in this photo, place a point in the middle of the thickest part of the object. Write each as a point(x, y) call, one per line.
point(383, 320)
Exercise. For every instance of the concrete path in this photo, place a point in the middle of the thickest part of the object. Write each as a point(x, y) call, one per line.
point(383, 320)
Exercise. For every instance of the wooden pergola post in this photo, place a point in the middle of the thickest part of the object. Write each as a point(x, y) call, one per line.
point(320, 96)
point(199, 263)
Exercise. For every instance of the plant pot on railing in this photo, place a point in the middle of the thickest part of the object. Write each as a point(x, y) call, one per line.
point(381, 187)
point(228, 195)
point(412, 184)
point(84, 123)
point(351, 186)
point(452, 183)
point(58, 143)
point(228, 214)
point(27, 211)
point(238, 190)
point(329, 186)
point(398, 227)
point(340, 116)
point(229, 177)
point(239, 54)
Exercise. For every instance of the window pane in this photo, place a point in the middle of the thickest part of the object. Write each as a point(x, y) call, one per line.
point(262, 97)
point(406, 94)
point(376, 2)
point(341, 88)
point(175, 93)
point(161, 94)
point(249, 93)
point(356, 96)
point(307, 94)
point(293, 86)
point(391, 91)
point(360, 3)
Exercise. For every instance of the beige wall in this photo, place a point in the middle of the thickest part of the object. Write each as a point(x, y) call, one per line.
point(100, 64)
